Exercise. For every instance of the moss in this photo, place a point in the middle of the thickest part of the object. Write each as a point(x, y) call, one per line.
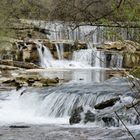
point(135, 72)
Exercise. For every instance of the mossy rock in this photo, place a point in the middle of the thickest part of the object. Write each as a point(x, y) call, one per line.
point(135, 72)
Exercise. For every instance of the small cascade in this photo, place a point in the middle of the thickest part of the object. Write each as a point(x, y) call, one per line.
point(97, 59)
point(119, 60)
point(113, 60)
point(84, 56)
point(60, 101)
point(45, 55)
point(60, 51)
point(47, 60)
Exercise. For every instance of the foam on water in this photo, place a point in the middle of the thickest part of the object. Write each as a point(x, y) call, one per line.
point(23, 109)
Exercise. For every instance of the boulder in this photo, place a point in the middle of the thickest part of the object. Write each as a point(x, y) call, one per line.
point(89, 117)
point(79, 114)
point(76, 115)
point(107, 103)
point(110, 121)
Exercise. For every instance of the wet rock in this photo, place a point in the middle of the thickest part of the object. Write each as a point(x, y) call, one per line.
point(76, 115)
point(12, 82)
point(110, 121)
point(19, 126)
point(107, 103)
point(128, 49)
point(89, 117)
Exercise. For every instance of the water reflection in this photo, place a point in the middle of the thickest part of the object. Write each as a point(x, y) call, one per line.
point(80, 75)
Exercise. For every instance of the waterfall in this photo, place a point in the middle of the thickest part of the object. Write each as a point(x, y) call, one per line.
point(113, 60)
point(58, 101)
point(45, 55)
point(95, 34)
point(47, 60)
point(60, 50)
point(97, 59)
point(84, 56)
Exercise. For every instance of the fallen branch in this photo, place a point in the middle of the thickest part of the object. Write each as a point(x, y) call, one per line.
point(124, 125)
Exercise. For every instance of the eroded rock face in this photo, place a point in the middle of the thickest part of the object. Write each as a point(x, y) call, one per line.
point(29, 80)
point(19, 64)
point(7, 50)
point(128, 49)
point(125, 46)
point(131, 60)
point(27, 49)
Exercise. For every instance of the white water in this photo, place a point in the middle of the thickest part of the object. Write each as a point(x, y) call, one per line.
point(48, 107)
point(97, 59)
point(60, 50)
point(47, 60)
point(45, 55)
point(54, 105)
point(84, 58)
point(24, 109)
point(94, 34)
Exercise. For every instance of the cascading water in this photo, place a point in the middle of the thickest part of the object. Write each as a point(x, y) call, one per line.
point(81, 59)
point(97, 59)
point(38, 104)
point(45, 55)
point(47, 60)
point(84, 56)
point(60, 50)
point(93, 35)
point(113, 60)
